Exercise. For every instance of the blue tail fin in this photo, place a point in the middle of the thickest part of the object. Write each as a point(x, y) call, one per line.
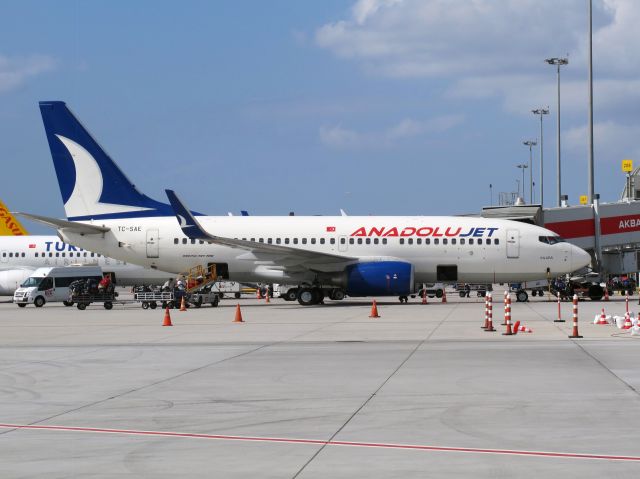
point(91, 184)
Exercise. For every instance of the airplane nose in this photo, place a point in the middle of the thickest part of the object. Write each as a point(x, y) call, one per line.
point(579, 258)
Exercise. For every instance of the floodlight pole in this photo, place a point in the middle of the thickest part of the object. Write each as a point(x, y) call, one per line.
point(558, 62)
point(541, 112)
point(530, 144)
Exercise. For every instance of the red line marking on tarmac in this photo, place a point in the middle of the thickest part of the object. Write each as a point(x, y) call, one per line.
point(415, 447)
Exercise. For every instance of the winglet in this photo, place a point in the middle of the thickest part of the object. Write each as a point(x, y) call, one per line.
point(188, 223)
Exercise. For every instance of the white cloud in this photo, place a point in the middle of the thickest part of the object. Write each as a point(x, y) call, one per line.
point(342, 138)
point(15, 71)
point(613, 142)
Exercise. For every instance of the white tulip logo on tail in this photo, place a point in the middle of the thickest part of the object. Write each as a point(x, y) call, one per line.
point(85, 198)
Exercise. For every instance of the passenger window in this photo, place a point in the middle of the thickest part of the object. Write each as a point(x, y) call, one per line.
point(286, 241)
point(253, 239)
point(85, 254)
point(384, 240)
point(453, 241)
point(193, 241)
point(260, 240)
point(36, 255)
point(418, 240)
point(57, 255)
point(359, 240)
point(368, 241)
point(401, 240)
point(313, 241)
point(351, 241)
point(479, 240)
point(63, 255)
point(410, 241)
point(470, 240)
point(278, 240)
point(295, 240)
point(10, 255)
point(343, 240)
point(201, 242)
point(321, 240)
point(304, 240)
point(376, 240)
point(496, 241)
point(269, 240)
point(427, 241)
point(436, 241)
point(184, 240)
point(332, 240)
point(51, 255)
point(175, 241)
point(461, 240)
point(445, 240)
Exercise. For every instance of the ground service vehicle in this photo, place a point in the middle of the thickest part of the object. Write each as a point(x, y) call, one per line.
point(52, 284)
point(433, 289)
point(537, 288)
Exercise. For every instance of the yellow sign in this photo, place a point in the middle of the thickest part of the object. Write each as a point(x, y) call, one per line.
point(9, 226)
point(583, 199)
point(627, 166)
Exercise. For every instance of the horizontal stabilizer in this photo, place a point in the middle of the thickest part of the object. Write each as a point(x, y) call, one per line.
point(71, 226)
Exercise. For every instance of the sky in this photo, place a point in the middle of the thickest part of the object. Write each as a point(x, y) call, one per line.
point(384, 107)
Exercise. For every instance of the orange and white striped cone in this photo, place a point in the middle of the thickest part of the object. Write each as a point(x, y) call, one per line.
point(507, 317)
point(606, 293)
point(424, 296)
point(490, 327)
point(575, 333)
point(486, 312)
point(627, 321)
point(521, 328)
point(504, 322)
point(258, 293)
point(559, 320)
point(602, 319)
point(266, 296)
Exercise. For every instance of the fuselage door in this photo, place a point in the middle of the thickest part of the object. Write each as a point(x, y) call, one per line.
point(513, 243)
point(153, 246)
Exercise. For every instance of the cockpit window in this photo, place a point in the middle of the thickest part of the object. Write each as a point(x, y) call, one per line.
point(551, 239)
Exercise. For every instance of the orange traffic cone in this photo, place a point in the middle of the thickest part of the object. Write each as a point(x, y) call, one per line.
point(374, 310)
point(490, 327)
point(167, 318)
point(574, 333)
point(519, 328)
point(627, 321)
point(602, 319)
point(606, 293)
point(267, 296)
point(507, 316)
point(258, 293)
point(183, 306)
point(444, 295)
point(238, 318)
point(424, 296)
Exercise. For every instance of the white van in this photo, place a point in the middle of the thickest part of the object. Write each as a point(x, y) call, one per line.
point(52, 284)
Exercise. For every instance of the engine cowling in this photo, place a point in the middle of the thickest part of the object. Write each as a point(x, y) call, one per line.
point(379, 278)
point(11, 280)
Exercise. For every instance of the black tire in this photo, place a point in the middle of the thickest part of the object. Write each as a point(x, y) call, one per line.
point(291, 295)
point(145, 305)
point(108, 305)
point(222, 295)
point(596, 292)
point(306, 297)
point(21, 305)
point(153, 305)
point(337, 295)
point(522, 296)
point(165, 305)
point(198, 303)
point(215, 301)
point(39, 302)
point(462, 294)
point(439, 294)
point(81, 306)
point(237, 295)
point(68, 303)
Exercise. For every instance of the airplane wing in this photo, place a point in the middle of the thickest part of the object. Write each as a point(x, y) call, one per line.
point(290, 257)
point(80, 228)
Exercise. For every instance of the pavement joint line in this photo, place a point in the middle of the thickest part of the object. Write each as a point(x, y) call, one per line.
point(371, 396)
point(330, 442)
point(184, 373)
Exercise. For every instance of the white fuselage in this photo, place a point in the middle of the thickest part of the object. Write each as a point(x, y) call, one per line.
point(483, 250)
point(21, 255)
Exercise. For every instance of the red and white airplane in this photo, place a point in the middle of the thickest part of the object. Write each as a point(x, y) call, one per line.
point(322, 255)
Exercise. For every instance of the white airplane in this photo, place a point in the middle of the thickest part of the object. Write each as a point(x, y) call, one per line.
point(322, 255)
point(21, 254)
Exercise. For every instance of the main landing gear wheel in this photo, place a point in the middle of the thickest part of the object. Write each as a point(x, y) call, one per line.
point(337, 295)
point(522, 296)
point(291, 295)
point(306, 297)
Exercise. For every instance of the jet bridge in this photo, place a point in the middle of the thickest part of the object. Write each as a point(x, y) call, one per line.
point(609, 231)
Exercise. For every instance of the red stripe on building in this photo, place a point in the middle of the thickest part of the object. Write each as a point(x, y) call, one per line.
point(573, 229)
